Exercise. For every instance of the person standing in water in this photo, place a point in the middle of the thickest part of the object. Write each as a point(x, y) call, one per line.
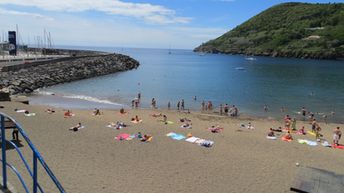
point(182, 105)
point(178, 105)
point(168, 105)
point(203, 105)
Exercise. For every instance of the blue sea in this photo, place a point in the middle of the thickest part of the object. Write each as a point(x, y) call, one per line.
point(248, 82)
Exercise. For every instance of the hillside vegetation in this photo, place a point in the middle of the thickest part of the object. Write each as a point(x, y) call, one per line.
point(300, 30)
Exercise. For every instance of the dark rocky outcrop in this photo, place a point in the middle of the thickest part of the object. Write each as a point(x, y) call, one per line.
point(24, 79)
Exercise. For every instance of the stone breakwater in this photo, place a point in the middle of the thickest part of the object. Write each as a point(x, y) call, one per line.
point(27, 79)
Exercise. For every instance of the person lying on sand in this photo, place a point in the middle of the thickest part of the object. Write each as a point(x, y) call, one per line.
point(184, 120)
point(187, 126)
point(50, 111)
point(118, 125)
point(68, 113)
point(156, 115)
point(136, 119)
point(271, 133)
point(288, 136)
point(302, 131)
point(76, 127)
point(277, 130)
point(214, 129)
point(249, 126)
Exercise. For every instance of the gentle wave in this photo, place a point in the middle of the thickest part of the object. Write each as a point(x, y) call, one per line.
point(41, 92)
point(91, 99)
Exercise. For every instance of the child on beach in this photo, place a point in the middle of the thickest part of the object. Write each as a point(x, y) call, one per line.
point(68, 113)
point(302, 131)
point(337, 134)
point(122, 111)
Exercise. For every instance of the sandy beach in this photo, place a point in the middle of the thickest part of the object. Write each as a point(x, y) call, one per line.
point(91, 160)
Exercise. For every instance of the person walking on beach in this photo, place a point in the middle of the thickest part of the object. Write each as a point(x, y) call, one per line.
point(314, 125)
point(337, 134)
point(132, 104)
point(15, 135)
point(226, 109)
point(293, 124)
point(303, 112)
point(202, 105)
point(153, 103)
point(178, 105)
point(221, 109)
point(182, 105)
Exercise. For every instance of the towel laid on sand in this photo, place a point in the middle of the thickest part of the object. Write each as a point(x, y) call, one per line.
point(175, 136)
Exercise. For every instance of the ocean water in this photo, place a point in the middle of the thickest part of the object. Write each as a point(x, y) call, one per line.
point(249, 83)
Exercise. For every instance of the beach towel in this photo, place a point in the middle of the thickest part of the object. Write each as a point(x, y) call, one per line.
point(285, 139)
point(326, 144)
point(122, 136)
point(311, 133)
point(271, 137)
point(176, 136)
point(337, 146)
point(307, 142)
point(192, 139)
point(30, 114)
point(20, 110)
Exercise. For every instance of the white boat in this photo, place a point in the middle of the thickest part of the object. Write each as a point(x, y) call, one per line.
point(250, 58)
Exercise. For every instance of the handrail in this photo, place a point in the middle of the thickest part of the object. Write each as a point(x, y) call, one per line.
point(19, 176)
point(36, 155)
point(24, 161)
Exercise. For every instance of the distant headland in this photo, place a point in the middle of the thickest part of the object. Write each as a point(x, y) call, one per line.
point(299, 30)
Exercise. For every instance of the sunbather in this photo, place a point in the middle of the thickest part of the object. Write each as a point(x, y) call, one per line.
point(288, 136)
point(76, 127)
point(271, 133)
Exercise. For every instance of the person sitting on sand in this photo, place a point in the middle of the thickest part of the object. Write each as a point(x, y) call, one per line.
point(76, 127)
point(145, 138)
point(122, 111)
point(68, 113)
point(165, 119)
point(96, 112)
point(302, 131)
point(288, 136)
point(337, 134)
point(139, 135)
point(271, 133)
point(249, 126)
point(136, 119)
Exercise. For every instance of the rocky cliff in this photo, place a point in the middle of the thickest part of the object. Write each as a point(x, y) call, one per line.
point(28, 77)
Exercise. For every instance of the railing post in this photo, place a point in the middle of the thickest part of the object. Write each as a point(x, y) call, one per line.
point(3, 143)
point(35, 184)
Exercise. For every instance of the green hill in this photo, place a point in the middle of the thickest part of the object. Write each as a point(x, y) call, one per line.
point(299, 30)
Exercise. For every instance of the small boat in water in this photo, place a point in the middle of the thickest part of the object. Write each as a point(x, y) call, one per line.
point(239, 68)
point(250, 58)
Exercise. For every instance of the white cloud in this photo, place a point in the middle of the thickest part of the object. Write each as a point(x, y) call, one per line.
point(148, 12)
point(21, 13)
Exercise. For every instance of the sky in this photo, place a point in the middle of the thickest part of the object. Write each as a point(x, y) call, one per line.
point(182, 24)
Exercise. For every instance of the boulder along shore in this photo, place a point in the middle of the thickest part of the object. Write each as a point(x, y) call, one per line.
point(26, 77)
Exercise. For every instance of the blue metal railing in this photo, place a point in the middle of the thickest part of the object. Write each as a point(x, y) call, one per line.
point(36, 156)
